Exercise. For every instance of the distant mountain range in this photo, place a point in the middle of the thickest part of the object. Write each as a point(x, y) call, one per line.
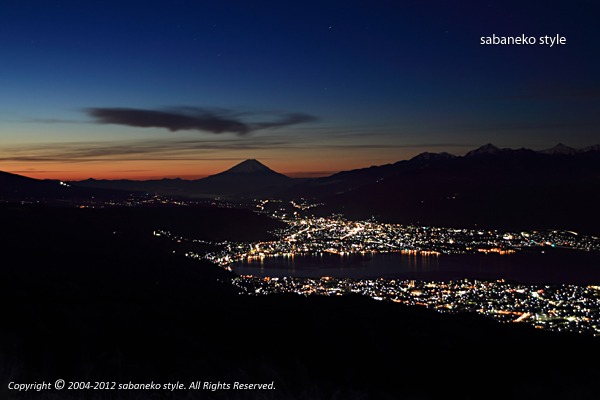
point(15, 187)
point(249, 178)
point(503, 159)
point(252, 178)
point(489, 186)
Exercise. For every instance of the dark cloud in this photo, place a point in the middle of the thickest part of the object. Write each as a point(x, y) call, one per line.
point(191, 118)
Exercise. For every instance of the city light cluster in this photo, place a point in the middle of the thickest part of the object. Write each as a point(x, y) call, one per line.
point(570, 308)
point(336, 235)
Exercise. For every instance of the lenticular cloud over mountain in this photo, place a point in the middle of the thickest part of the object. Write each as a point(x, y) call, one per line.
point(192, 118)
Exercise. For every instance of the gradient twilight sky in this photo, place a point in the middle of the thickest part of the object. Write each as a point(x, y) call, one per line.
point(131, 89)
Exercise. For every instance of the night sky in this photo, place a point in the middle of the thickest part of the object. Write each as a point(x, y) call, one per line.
point(128, 89)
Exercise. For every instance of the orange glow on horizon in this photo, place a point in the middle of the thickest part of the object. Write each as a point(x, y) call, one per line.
point(189, 170)
point(76, 174)
point(313, 163)
point(100, 174)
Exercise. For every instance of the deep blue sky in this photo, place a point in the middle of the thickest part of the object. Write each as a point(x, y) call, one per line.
point(188, 88)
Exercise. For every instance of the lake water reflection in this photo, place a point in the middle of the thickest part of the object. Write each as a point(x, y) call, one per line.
point(538, 266)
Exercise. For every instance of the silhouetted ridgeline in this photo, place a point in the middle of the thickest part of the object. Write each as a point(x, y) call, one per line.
point(82, 303)
point(249, 178)
point(18, 188)
point(489, 187)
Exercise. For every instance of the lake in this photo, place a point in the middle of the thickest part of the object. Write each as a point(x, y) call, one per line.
point(533, 266)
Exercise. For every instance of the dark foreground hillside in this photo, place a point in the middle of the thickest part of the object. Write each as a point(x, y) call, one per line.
point(82, 303)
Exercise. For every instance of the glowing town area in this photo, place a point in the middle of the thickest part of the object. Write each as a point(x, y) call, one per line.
point(569, 308)
point(572, 308)
point(336, 235)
